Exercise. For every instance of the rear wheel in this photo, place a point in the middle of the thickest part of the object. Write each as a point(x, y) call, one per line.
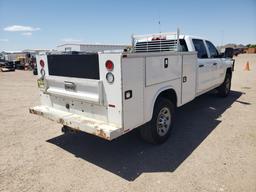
point(68, 130)
point(35, 71)
point(159, 128)
point(224, 88)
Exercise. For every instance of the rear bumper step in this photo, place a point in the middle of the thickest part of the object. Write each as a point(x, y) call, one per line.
point(78, 122)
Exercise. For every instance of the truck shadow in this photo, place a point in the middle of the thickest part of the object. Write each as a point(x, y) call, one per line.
point(128, 156)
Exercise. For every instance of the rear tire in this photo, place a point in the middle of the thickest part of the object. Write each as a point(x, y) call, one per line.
point(35, 72)
point(158, 130)
point(224, 88)
point(68, 130)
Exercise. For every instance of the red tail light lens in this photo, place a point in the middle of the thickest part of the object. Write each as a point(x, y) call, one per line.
point(109, 65)
point(41, 63)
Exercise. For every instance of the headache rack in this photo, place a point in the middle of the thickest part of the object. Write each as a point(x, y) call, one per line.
point(157, 42)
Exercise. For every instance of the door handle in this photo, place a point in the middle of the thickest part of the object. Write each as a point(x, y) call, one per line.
point(165, 62)
point(69, 86)
point(184, 79)
point(215, 63)
point(201, 65)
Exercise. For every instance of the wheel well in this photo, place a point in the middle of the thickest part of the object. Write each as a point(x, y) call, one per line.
point(229, 71)
point(169, 94)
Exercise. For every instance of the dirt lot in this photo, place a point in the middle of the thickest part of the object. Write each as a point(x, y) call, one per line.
point(213, 146)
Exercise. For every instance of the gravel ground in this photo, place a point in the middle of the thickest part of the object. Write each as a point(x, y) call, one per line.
point(213, 146)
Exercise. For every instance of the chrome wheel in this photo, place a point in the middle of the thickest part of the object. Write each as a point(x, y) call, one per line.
point(159, 128)
point(163, 121)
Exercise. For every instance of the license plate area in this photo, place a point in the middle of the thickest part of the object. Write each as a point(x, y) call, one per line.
point(40, 83)
point(79, 89)
point(69, 86)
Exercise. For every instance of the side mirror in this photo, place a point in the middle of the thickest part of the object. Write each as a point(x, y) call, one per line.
point(229, 52)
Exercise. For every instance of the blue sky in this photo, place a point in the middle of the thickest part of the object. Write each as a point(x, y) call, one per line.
point(47, 23)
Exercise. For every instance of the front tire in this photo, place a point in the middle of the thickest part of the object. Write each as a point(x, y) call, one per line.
point(224, 88)
point(158, 130)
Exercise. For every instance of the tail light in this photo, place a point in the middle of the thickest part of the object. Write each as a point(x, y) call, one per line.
point(109, 65)
point(110, 77)
point(41, 63)
point(42, 71)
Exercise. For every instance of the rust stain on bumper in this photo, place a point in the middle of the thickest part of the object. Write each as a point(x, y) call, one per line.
point(32, 111)
point(61, 121)
point(101, 134)
point(93, 127)
point(98, 132)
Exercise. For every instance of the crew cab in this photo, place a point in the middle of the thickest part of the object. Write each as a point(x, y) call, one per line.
point(108, 94)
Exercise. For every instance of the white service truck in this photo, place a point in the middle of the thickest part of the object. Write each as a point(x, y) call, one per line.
point(109, 94)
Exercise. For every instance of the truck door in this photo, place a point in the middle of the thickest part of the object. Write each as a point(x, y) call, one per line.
point(217, 64)
point(205, 76)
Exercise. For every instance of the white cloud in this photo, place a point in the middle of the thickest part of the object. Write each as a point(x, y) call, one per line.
point(26, 33)
point(21, 28)
point(71, 40)
point(4, 40)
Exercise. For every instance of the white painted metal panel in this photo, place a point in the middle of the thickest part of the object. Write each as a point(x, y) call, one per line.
point(80, 107)
point(158, 72)
point(221, 71)
point(189, 71)
point(100, 48)
point(206, 75)
point(134, 81)
point(42, 56)
point(151, 93)
point(85, 100)
point(112, 91)
point(87, 90)
point(89, 47)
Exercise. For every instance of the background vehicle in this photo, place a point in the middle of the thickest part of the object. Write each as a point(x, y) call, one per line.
point(109, 94)
point(8, 66)
point(238, 51)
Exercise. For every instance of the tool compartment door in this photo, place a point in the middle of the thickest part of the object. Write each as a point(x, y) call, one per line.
point(132, 87)
point(189, 73)
point(162, 68)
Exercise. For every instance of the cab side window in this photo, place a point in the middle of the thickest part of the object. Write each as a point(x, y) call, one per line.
point(200, 48)
point(183, 45)
point(212, 49)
